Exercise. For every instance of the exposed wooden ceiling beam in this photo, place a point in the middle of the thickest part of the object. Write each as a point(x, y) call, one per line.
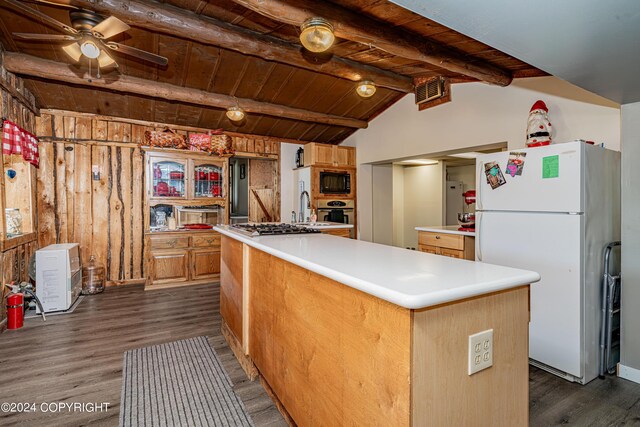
point(167, 19)
point(357, 27)
point(27, 65)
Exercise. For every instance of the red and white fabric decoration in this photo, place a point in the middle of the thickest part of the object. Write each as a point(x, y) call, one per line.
point(16, 140)
point(538, 126)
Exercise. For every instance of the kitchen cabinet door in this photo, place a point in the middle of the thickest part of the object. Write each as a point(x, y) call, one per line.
point(205, 263)
point(167, 177)
point(169, 266)
point(318, 154)
point(344, 156)
point(452, 253)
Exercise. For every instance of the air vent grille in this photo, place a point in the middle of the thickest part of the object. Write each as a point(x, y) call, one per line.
point(432, 89)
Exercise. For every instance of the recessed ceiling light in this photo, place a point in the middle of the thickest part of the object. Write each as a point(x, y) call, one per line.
point(418, 162)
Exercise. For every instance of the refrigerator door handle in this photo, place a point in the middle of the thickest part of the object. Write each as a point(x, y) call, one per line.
point(479, 184)
point(478, 234)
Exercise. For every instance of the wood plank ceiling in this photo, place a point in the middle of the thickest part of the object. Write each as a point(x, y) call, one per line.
point(215, 69)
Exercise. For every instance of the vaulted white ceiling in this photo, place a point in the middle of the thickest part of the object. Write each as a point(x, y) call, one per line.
point(594, 44)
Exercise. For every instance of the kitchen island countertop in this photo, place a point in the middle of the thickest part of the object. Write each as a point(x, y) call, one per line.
point(410, 279)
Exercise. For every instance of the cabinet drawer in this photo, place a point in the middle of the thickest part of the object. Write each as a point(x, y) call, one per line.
point(452, 253)
point(207, 240)
point(340, 232)
point(442, 240)
point(169, 242)
point(429, 249)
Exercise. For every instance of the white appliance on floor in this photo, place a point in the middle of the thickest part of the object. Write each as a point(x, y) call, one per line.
point(557, 226)
point(58, 276)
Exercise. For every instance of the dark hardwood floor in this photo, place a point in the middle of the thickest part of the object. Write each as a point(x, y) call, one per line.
point(78, 358)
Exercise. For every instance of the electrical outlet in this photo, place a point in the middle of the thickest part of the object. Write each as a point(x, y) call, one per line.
point(480, 351)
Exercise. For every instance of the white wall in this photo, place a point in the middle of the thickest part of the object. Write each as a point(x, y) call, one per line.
point(288, 200)
point(423, 188)
point(382, 199)
point(398, 206)
point(479, 114)
point(630, 327)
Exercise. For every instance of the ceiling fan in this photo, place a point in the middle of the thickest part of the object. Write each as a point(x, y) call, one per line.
point(89, 33)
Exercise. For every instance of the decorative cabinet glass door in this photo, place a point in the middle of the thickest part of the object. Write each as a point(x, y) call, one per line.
point(208, 180)
point(168, 178)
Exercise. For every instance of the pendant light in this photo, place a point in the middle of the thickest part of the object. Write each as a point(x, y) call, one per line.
point(316, 34)
point(366, 89)
point(235, 114)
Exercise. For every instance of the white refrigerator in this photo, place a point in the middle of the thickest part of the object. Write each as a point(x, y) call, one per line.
point(556, 219)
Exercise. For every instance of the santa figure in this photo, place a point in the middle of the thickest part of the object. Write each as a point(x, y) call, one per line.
point(538, 126)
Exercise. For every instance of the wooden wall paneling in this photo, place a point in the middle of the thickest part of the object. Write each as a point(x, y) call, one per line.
point(137, 218)
point(47, 196)
point(126, 191)
point(116, 216)
point(99, 130)
point(100, 156)
point(60, 183)
point(83, 212)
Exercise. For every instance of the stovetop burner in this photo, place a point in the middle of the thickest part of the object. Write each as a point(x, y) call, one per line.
point(273, 229)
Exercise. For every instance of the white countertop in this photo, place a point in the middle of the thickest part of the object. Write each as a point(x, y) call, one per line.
point(325, 225)
point(447, 229)
point(410, 279)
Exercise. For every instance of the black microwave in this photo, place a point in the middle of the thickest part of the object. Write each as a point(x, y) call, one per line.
point(335, 182)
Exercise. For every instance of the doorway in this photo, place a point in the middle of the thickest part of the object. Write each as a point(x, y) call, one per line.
point(253, 190)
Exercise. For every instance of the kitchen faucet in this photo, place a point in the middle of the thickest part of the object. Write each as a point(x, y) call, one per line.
point(301, 213)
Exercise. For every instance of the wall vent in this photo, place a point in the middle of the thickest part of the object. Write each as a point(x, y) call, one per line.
point(430, 90)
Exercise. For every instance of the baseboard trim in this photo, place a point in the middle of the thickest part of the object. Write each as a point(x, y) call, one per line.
point(628, 373)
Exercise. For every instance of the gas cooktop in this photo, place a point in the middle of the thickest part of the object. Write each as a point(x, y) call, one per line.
point(272, 229)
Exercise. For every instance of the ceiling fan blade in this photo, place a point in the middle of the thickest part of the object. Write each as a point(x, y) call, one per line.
point(105, 60)
point(73, 50)
point(60, 3)
point(44, 37)
point(109, 28)
point(138, 53)
point(37, 14)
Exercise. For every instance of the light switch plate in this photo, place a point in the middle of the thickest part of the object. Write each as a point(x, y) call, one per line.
point(480, 351)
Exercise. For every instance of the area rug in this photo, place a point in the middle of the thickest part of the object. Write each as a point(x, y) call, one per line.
point(181, 383)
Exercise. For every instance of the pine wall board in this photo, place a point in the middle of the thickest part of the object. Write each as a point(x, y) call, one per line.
point(104, 215)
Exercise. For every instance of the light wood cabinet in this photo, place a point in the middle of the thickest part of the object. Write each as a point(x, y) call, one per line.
point(329, 155)
point(205, 264)
point(169, 266)
point(179, 179)
point(446, 244)
point(178, 258)
point(340, 232)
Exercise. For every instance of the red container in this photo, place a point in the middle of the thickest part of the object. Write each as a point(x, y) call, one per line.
point(216, 191)
point(176, 175)
point(214, 176)
point(15, 310)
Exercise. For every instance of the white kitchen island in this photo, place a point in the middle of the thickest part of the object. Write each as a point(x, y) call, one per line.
point(346, 332)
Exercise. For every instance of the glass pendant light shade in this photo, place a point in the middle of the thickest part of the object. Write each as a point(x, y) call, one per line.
point(366, 89)
point(89, 49)
point(316, 34)
point(235, 114)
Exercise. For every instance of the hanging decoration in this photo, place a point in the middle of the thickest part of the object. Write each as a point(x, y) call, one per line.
point(538, 125)
point(16, 140)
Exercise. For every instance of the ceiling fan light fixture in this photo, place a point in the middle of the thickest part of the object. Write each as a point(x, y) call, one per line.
point(90, 49)
point(316, 34)
point(235, 114)
point(366, 89)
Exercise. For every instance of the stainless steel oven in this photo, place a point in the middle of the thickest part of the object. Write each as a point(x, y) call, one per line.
point(342, 211)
